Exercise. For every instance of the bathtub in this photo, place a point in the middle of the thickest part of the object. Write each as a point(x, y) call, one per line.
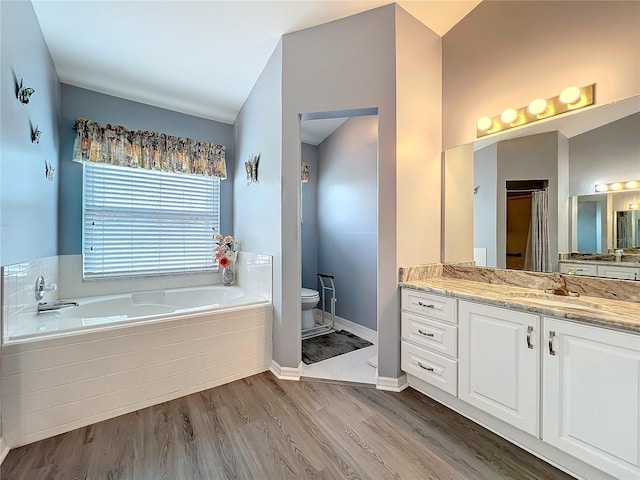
point(117, 311)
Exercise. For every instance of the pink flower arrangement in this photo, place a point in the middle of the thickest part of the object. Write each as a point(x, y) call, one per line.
point(225, 250)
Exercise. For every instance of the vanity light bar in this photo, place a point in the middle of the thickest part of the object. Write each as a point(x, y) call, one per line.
point(618, 186)
point(571, 98)
point(634, 206)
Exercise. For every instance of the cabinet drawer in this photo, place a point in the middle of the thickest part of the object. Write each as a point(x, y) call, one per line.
point(437, 336)
point(435, 369)
point(435, 306)
point(616, 271)
point(579, 269)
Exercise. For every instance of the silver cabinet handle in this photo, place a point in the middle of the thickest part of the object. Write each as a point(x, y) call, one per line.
point(529, 331)
point(426, 305)
point(429, 369)
point(426, 334)
point(552, 334)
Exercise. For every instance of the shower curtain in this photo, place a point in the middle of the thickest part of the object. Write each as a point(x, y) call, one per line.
point(537, 256)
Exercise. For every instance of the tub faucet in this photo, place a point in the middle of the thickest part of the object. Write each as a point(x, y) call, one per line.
point(57, 305)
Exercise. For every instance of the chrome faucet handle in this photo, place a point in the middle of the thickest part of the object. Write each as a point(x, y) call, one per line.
point(42, 287)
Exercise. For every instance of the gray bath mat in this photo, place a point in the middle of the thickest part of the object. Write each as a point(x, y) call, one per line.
point(331, 345)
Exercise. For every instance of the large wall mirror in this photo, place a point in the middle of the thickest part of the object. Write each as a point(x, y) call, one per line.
point(505, 194)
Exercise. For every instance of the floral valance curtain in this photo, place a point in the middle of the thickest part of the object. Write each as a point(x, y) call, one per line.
point(118, 146)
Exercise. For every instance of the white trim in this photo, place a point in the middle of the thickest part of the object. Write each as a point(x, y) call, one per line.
point(286, 373)
point(3, 451)
point(391, 384)
point(352, 327)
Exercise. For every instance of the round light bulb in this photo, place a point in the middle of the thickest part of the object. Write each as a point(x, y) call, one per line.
point(509, 115)
point(570, 95)
point(484, 123)
point(634, 206)
point(601, 187)
point(616, 186)
point(537, 106)
point(632, 184)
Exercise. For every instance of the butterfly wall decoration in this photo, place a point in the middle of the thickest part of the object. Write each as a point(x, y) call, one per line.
point(48, 170)
point(252, 169)
point(35, 135)
point(24, 93)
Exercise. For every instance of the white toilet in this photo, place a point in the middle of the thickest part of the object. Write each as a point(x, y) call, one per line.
point(309, 299)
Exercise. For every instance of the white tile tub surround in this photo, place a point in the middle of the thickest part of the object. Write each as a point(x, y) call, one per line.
point(50, 386)
point(56, 385)
point(18, 292)
point(254, 273)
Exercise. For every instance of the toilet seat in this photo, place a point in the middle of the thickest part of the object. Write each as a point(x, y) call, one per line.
point(308, 293)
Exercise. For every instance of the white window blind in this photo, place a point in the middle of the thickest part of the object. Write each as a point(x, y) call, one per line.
point(139, 222)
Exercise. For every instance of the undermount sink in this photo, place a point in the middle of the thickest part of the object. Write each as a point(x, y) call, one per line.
point(550, 300)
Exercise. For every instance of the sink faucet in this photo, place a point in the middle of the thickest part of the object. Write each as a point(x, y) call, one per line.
point(57, 305)
point(560, 288)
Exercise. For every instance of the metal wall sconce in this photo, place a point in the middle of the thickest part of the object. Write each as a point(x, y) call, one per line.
point(24, 93)
point(35, 135)
point(618, 186)
point(304, 172)
point(252, 169)
point(571, 98)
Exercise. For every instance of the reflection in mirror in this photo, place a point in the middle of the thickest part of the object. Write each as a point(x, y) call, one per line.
point(605, 222)
point(564, 157)
point(627, 222)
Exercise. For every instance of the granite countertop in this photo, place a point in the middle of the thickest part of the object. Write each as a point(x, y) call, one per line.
point(616, 314)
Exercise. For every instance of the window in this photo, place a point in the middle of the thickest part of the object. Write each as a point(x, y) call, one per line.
point(141, 222)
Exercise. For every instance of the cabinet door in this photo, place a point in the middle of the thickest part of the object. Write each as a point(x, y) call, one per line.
point(499, 363)
point(591, 395)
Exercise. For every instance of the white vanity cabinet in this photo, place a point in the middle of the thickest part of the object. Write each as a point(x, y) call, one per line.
point(499, 363)
point(430, 339)
point(568, 391)
point(626, 271)
point(591, 395)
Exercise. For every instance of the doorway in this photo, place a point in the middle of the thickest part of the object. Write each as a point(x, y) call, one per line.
point(339, 238)
point(519, 225)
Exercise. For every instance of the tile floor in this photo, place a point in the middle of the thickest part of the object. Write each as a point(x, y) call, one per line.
point(350, 367)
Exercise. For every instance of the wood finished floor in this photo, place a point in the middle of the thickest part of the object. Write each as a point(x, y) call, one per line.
point(265, 429)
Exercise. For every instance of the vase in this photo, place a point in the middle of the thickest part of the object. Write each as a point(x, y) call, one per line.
point(227, 275)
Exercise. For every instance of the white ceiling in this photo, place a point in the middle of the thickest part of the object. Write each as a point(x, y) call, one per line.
point(197, 57)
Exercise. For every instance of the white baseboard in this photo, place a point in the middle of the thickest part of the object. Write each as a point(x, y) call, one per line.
point(352, 327)
point(286, 373)
point(3, 451)
point(390, 384)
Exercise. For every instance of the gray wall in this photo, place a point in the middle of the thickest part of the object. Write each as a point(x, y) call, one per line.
point(605, 155)
point(78, 102)
point(485, 201)
point(345, 64)
point(347, 217)
point(309, 225)
point(28, 201)
point(258, 207)
point(534, 157)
